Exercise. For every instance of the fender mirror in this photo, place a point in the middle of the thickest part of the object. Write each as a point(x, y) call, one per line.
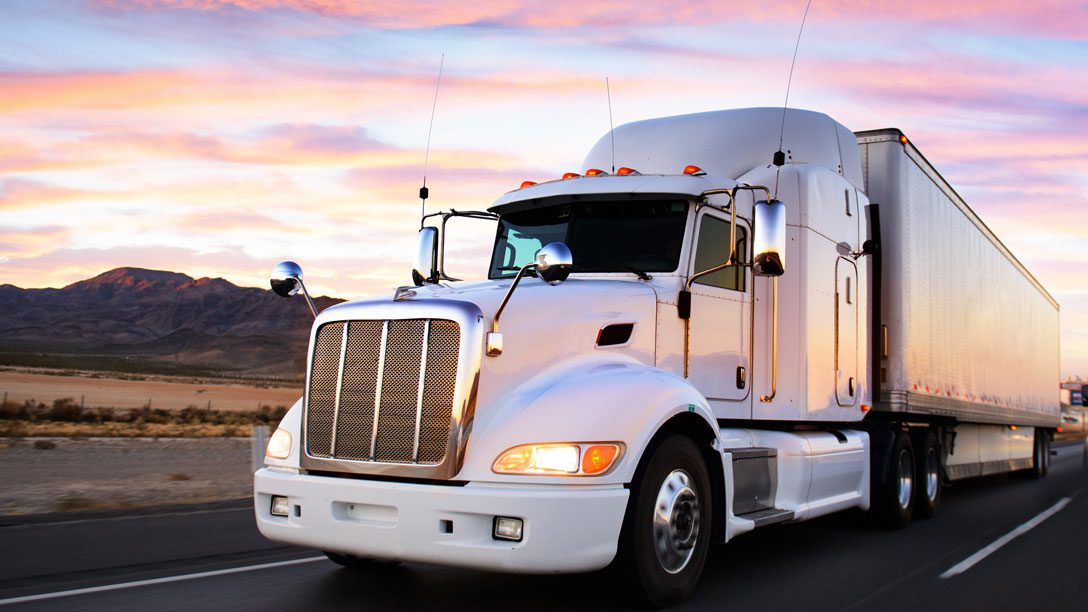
point(425, 264)
point(286, 281)
point(553, 262)
point(769, 238)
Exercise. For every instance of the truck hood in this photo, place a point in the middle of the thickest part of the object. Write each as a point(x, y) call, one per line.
point(545, 328)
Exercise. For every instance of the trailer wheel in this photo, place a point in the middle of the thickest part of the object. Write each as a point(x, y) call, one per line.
point(666, 529)
point(893, 499)
point(928, 470)
point(1040, 454)
point(359, 563)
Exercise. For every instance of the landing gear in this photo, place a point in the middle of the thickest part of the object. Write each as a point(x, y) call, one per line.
point(666, 531)
point(1040, 454)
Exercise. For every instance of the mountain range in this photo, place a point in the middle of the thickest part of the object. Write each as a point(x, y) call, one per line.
point(166, 320)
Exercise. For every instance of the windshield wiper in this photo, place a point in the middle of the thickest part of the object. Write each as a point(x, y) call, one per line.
point(612, 264)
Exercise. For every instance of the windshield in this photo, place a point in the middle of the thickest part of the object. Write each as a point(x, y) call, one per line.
point(642, 236)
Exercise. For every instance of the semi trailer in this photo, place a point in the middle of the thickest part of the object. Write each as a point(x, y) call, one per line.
point(689, 338)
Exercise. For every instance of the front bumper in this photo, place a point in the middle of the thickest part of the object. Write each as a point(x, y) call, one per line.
point(569, 528)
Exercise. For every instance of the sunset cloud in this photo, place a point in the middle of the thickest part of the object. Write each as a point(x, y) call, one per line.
point(217, 137)
point(993, 15)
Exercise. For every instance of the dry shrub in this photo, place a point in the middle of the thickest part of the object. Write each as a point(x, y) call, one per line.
point(44, 444)
point(180, 477)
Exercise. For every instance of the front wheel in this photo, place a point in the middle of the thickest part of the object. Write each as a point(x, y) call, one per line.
point(666, 530)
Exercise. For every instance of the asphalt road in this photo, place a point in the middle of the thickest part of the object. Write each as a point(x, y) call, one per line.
point(839, 562)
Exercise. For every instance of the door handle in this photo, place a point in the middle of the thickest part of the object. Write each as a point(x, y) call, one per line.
point(742, 376)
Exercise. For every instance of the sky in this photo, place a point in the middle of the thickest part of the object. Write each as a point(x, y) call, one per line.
point(218, 137)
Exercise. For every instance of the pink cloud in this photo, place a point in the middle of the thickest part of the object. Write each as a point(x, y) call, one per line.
point(1055, 17)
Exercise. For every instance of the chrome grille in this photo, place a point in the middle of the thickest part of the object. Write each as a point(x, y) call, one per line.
point(383, 390)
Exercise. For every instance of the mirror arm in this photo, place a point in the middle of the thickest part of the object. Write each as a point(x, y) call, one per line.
point(309, 300)
point(440, 262)
point(494, 344)
point(774, 342)
point(509, 292)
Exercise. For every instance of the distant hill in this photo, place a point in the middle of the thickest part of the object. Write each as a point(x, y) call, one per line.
point(162, 318)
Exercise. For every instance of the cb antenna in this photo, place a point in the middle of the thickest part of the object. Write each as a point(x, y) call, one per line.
point(611, 127)
point(423, 191)
point(779, 156)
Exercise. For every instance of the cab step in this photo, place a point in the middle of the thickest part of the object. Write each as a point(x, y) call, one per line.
point(768, 517)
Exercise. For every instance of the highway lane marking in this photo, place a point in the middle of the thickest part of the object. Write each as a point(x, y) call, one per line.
point(167, 579)
point(969, 562)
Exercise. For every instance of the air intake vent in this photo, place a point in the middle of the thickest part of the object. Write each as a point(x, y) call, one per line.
point(612, 335)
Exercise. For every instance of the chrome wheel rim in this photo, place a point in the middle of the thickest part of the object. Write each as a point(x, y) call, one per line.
point(932, 474)
point(906, 479)
point(676, 521)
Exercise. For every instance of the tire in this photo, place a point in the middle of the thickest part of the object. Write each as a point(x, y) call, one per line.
point(666, 530)
point(1040, 455)
point(893, 499)
point(359, 563)
point(927, 469)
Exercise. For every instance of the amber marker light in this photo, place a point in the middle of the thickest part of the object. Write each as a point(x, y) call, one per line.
point(903, 139)
point(571, 175)
point(694, 171)
point(598, 458)
point(865, 408)
point(595, 172)
point(624, 171)
point(525, 184)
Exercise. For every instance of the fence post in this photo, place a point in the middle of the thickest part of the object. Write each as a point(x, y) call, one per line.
point(257, 445)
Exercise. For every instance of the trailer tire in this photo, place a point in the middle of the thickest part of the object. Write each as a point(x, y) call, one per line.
point(667, 527)
point(893, 498)
point(927, 469)
point(359, 563)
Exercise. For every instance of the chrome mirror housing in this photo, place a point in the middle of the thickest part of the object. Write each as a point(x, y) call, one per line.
point(769, 240)
point(553, 262)
point(425, 264)
point(287, 280)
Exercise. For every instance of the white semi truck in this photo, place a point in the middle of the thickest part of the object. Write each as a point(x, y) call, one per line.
point(692, 346)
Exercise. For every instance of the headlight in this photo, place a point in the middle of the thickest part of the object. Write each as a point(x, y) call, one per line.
point(279, 445)
point(562, 459)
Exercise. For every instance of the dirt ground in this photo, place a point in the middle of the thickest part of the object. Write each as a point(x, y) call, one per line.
point(113, 392)
point(71, 474)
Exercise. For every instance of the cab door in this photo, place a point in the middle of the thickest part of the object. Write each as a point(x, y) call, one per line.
point(719, 338)
point(846, 332)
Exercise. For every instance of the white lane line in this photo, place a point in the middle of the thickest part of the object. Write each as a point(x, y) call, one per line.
point(969, 562)
point(140, 583)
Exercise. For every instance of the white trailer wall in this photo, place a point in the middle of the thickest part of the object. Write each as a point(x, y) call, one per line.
point(971, 334)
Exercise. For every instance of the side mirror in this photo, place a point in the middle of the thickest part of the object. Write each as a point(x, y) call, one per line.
point(769, 241)
point(286, 278)
point(425, 265)
point(287, 281)
point(553, 262)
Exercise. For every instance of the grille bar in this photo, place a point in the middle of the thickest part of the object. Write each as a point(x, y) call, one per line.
point(383, 391)
point(378, 387)
point(339, 387)
point(419, 391)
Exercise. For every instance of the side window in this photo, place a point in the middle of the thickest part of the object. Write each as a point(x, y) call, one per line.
point(712, 249)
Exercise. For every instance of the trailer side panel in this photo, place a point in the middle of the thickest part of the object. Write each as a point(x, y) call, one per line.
point(970, 333)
